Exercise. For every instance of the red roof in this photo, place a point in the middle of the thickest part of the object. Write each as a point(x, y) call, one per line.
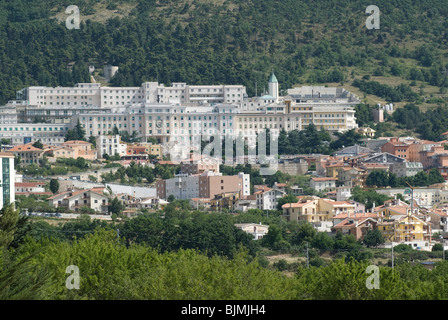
point(296, 205)
point(323, 179)
point(76, 142)
point(24, 147)
point(29, 184)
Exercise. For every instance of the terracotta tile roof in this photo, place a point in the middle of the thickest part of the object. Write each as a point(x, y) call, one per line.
point(168, 162)
point(339, 202)
point(296, 205)
point(24, 148)
point(75, 142)
point(358, 215)
point(262, 188)
point(323, 179)
point(6, 155)
point(29, 184)
point(346, 223)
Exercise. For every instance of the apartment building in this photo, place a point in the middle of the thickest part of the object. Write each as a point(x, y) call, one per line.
point(7, 178)
point(206, 185)
point(407, 229)
point(406, 169)
point(110, 145)
point(417, 146)
point(397, 148)
point(267, 198)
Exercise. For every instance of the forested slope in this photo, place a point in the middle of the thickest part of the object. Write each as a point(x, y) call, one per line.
point(234, 42)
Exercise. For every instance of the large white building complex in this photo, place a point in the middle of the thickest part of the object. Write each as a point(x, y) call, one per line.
point(178, 113)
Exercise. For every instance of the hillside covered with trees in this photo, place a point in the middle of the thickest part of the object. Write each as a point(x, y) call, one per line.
point(232, 41)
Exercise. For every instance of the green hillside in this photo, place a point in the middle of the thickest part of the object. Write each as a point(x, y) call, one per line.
point(233, 41)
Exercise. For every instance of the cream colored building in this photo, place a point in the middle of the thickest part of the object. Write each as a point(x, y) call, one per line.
point(314, 209)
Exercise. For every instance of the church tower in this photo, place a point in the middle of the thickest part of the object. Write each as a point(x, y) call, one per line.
point(273, 87)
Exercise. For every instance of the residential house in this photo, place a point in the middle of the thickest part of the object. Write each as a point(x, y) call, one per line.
point(366, 131)
point(27, 188)
point(258, 231)
point(351, 176)
point(356, 227)
point(343, 193)
point(83, 149)
point(323, 161)
point(74, 200)
point(63, 152)
point(333, 170)
point(439, 219)
point(399, 222)
point(323, 184)
point(27, 153)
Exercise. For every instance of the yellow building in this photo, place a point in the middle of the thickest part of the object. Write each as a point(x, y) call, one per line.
point(332, 170)
point(367, 131)
point(314, 209)
point(226, 200)
point(405, 228)
point(152, 149)
point(399, 224)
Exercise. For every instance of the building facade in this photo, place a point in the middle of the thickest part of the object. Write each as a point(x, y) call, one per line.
point(7, 178)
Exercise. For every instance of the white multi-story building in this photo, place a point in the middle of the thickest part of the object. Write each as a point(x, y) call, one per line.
point(84, 94)
point(205, 185)
point(22, 133)
point(267, 198)
point(110, 145)
point(7, 179)
point(181, 114)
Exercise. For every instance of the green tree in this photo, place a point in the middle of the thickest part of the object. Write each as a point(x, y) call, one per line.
point(92, 140)
point(54, 185)
point(78, 133)
point(373, 238)
point(116, 206)
point(290, 198)
point(8, 221)
point(38, 144)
